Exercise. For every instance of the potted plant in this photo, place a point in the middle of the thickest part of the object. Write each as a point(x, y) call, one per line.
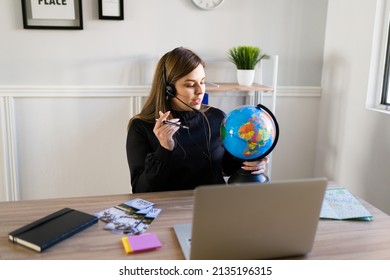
point(245, 58)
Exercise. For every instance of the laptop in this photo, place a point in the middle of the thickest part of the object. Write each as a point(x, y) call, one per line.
point(252, 220)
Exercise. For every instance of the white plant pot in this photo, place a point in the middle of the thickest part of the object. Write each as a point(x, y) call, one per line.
point(245, 77)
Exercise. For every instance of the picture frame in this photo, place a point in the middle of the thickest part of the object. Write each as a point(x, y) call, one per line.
point(59, 14)
point(111, 9)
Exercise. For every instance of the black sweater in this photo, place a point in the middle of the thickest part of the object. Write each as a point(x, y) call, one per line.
point(196, 159)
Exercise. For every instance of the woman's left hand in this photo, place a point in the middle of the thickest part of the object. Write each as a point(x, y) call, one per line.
point(257, 167)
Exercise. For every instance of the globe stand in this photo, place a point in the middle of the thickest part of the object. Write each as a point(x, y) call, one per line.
point(243, 176)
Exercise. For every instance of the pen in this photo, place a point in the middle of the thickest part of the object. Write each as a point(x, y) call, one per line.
point(175, 124)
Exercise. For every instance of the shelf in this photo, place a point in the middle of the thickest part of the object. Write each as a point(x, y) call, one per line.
point(236, 87)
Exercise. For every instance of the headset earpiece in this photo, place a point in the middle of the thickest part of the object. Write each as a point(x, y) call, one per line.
point(170, 91)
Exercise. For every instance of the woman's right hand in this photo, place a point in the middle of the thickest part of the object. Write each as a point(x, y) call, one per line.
point(164, 132)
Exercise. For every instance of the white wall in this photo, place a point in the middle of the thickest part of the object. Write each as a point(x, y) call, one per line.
point(124, 52)
point(66, 96)
point(353, 142)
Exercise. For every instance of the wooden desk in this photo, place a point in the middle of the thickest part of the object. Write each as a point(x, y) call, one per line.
point(334, 240)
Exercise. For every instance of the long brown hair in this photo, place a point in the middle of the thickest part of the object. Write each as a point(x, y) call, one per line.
point(170, 68)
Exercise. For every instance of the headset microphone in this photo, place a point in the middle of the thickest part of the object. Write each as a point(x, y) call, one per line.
point(186, 104)
point(203, 115)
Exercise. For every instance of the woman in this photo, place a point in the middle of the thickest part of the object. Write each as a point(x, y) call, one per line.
point(187, 151)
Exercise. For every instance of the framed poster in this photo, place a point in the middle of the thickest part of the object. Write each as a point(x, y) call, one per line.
point(52, 14)
point(111, 9)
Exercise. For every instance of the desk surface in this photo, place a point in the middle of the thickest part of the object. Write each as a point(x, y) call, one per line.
point(334, 239)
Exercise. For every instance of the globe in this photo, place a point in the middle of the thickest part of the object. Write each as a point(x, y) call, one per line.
point(249, 133)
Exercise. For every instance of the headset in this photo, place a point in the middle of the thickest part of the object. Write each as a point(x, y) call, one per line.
point(170, 90)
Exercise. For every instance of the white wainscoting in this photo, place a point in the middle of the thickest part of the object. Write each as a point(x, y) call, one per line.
point(70, 141)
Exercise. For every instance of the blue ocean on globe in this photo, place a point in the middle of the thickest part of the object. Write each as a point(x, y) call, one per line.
point(249, 132)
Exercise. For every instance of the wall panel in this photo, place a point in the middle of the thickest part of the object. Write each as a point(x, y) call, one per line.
point(70, 141)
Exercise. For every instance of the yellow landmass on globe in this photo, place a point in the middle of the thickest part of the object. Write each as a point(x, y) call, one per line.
point(254, 139)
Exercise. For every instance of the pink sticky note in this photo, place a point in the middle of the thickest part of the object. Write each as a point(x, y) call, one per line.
point(142, 242)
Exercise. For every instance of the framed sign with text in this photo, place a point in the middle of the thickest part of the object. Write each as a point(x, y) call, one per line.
point(52, 14)
point(111, 9)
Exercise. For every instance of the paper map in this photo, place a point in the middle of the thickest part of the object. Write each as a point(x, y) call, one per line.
point(340, 204)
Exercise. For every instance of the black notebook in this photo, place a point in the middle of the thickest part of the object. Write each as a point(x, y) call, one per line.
point(48, 231)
